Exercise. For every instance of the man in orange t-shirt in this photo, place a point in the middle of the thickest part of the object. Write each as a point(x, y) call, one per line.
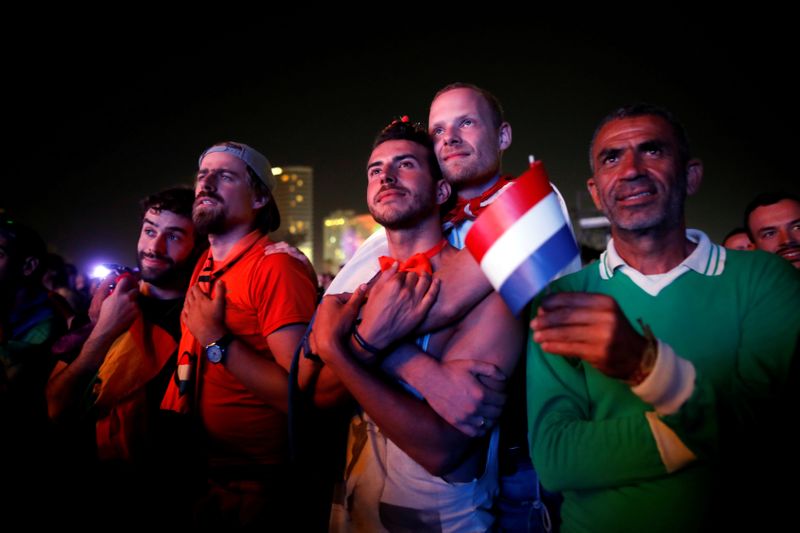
point(244, 315)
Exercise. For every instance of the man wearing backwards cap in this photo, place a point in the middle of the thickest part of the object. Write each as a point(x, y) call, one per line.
point(244, 315)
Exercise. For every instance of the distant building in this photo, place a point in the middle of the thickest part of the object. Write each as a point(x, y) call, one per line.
point(342, 233)
point(294, 194)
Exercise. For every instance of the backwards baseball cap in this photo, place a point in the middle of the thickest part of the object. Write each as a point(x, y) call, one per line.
point(252, 158)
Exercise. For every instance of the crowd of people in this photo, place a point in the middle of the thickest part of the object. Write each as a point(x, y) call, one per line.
point(652, 389)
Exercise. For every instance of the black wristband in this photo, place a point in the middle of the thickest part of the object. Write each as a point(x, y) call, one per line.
point(364, 344)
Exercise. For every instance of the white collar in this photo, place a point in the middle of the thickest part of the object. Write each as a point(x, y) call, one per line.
point(707, 259)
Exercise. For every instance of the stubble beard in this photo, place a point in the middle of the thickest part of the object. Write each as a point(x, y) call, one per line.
point(396, 219)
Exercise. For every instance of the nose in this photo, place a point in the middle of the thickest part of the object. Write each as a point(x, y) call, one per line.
point(159, 245)
point(451, 136)
point(631, 166)
point(389, 176)
point(786, 237)
point(207, 182)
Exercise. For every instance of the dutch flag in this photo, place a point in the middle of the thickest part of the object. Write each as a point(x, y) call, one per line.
point(522, 240)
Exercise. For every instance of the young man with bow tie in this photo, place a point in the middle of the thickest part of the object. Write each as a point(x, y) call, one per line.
point(406, 466)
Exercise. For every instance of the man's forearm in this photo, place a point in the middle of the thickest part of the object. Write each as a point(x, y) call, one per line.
point(264, 377)
point(63, 387)
point(327, 389)
point(453, 389)
point(410, 364)
point(463, 285)
point(408, 422)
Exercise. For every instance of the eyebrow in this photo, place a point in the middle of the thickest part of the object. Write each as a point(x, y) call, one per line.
point(395, 159)
point(646, 145)
point(654, 143)
point(607, 152)
point(168, 228)
point(456, 119)
point(221, 169)
point(776, 226)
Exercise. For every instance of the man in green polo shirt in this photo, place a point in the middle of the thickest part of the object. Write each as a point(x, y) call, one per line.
point(660, 376)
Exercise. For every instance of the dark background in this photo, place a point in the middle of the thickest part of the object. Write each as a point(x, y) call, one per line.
point(96, 120)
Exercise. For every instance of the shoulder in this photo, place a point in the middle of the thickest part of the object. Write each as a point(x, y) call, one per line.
point(281, 266)
point(761, 268)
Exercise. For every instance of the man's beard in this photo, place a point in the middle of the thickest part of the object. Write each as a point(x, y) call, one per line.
point(471, 174)
point(668, 212)
point(209, 220)
point(172, 276)
point(394, 219)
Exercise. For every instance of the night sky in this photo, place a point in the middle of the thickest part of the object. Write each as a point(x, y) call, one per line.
point(97, 123)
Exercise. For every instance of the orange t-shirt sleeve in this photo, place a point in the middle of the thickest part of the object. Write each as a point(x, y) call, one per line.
point(283, 293)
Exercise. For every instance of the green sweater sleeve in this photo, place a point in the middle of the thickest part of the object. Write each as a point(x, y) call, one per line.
point(570, 449)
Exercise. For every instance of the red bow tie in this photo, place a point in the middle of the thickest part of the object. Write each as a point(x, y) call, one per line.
point(419, 262)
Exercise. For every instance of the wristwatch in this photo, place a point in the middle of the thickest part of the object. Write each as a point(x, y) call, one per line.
point(648, 361)
point(216, 350)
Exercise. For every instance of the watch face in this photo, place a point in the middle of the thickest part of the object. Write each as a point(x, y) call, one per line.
point(214, 353)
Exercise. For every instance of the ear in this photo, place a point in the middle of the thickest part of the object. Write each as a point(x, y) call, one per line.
point(592, 186)
point(29, 266)
point(504, 136)
point(694, 176)
point(443, 191)
point(261, 201)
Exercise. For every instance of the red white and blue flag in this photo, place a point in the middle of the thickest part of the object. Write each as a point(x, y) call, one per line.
point(522, 240)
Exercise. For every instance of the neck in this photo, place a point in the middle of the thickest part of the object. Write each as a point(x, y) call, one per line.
point(653, 251)
point(163, 293)
point(403, 243)
point(470, 191)
point(222, 243)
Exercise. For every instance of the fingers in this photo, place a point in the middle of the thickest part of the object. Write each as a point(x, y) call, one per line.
point(384, 277)
point(469, 429)
point(495, 385)
point(418, 284)
point(429, 296)
point(578, 299)
point(476, 426)
point(482, 422)
point(126, 284)
point(492, 398)
point(567, 348)
point(570, 316)
point(354, 303)
point(220, 292)
point(579, 334)
point(482, 368)
point(342, 297)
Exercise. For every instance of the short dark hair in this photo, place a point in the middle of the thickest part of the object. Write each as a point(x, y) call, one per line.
point(178, 200)
point(24, 242)
point(644, 109)
point(763, 199)
point(496, 108)
point(400, 130)
point(734, 231)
